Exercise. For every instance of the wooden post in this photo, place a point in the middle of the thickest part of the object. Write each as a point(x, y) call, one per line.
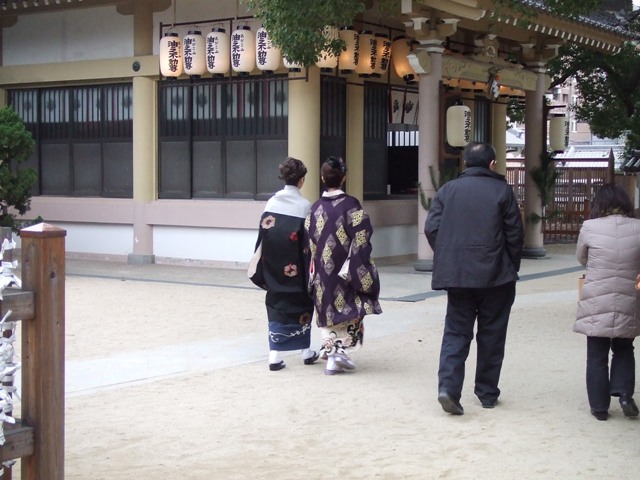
point(43, 272)
point(7, 257)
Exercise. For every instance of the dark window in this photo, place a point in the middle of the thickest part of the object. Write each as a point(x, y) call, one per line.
point(482, 124)
point(222, 139)
point(333, 117)
point(376, 114)
point(83, 137)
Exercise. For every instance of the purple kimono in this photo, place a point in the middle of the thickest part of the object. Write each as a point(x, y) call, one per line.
point(336, 226)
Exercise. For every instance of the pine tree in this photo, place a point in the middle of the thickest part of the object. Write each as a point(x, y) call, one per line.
point(16, 145)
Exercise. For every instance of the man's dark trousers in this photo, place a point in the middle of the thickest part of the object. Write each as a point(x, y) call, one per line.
point(491, 308)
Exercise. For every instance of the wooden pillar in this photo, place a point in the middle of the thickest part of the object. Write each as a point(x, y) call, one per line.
point(144, 167)
point(304, 127)
point(43, 273)
point(499, 135)
point(355, 138)
point(534, 146)
point(429, 146)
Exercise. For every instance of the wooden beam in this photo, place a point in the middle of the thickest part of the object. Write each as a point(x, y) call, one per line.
point(19, 302)
point(18, 442)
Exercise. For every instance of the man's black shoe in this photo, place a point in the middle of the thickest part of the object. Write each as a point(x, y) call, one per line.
point(489, 403)
point(450, 405)
point(629, 407)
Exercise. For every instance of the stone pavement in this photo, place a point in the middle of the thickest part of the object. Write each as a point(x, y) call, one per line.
point(400, 283)
point(167, 377)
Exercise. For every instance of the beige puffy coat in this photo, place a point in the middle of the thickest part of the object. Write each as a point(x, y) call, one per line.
point(610, 249)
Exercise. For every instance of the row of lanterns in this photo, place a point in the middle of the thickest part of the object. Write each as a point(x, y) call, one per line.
point(458, 128)
point(366, 54)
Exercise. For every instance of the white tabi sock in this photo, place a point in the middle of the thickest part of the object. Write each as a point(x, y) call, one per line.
point(274, 356)
point(307, 353)
point(331, 363)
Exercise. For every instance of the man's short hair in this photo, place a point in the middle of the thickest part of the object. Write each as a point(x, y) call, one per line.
point(479, 154)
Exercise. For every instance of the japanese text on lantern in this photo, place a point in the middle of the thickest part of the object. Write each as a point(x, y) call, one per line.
point(174, 55)
point(237, 46)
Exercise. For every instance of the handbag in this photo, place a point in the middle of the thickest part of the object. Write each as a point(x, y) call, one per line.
point(580, 285)
point(344, 271)
point(254, 271)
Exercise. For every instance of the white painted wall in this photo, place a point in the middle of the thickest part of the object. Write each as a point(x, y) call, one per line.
point(97, 240)
point(394, 241)
point(230, 246)
point(72, 35)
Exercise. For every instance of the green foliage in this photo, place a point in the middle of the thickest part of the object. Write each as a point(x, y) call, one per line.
point(297, 26)
point(16, 145)
point(608, 87)
point(515, 112)
point(544, 177)
point(446, 174)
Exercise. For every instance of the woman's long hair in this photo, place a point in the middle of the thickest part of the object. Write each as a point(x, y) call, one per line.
point(611, 199)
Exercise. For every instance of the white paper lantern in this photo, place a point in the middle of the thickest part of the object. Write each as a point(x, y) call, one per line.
point(367, 54)
point(383, 55)
point(243, 50)
point(268, 56)
point(458, 125)
point(558, 134)
point(292, 66)
point(328, 61)
point(402, 47)
point(171, 55)
point(194, 55)
point(218, 52)
point(348, 59)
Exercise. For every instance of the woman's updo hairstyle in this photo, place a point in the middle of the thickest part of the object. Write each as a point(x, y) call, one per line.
point(292, 170)
point(333, 170)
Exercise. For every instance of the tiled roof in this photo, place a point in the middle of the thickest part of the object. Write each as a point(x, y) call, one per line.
point(631, 163)
point(602, 19)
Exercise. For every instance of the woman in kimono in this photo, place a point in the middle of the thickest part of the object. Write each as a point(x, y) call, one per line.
point(282, 271)
point(343, 280)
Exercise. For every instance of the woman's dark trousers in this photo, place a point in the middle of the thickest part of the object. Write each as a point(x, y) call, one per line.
point(602, 383)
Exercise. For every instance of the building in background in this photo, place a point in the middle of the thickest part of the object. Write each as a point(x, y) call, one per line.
point(140, 167)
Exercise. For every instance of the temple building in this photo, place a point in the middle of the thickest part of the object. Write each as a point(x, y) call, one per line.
point(160, 124)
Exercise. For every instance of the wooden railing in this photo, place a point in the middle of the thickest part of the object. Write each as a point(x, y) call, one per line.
point(570, 201)
point(38, 437)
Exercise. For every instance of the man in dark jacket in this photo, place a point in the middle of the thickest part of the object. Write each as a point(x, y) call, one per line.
point(475, 230)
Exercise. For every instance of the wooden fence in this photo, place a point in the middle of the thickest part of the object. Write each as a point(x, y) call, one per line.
point(569, 205)
point(38, 437)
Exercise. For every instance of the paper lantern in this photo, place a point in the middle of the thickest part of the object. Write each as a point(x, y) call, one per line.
point(243, 50)
point(368, 53)
point(458, 125)
point(292, 66)
point(194, 55)
point(402, 47)
point(383, 55)
point(558, 133)
point(171, 55)
point(218, 52)
point(268, 56)
point(327, 60)
point(348, 59)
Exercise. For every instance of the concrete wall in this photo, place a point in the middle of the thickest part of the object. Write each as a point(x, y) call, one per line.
point(212, 232)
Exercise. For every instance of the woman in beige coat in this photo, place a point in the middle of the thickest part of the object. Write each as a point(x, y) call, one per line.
point(609, 246)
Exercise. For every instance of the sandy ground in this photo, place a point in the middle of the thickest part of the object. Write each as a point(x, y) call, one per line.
point(212, 410)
